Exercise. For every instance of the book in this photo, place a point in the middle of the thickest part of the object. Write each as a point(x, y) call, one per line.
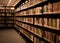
point(38, 10)
point(50, 22)
point(45, 9)
point(30, 28)
point(34, 30)
point(57, 39)
point(56, 7)
point(50, 8)
point(32, 37)
point(45, 22)
point(39, 40)
point(40, 22)
point(35, 39)
point(58, 24)
point(44, 0)
point(36, 21)
point(52, 37)
point(31, 20)
point(31, 12)
point(32, 2)
point(54, 23)
point(37, 31)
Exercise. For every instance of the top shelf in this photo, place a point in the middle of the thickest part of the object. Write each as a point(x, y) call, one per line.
point(22, 1)
point(35, 5)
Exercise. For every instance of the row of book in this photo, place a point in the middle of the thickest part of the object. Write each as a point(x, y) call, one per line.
point(2, 21)
point(9, 14)
point(2, 18)
point(50, 8)
point(29, 20)
point(2, 25)
point(2, 10)
point(9, 21)
point(29, 3)
point(37, 40)
point(9, 25)
point(9, 18)
point(6, 18)
point(2, 14)
point(27, 34)
point(51, 37)
point(9, 10)
point(34, 39)
point(46, 22)
point(6, 10)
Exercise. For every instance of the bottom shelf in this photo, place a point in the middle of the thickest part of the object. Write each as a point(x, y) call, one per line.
point(27, 37)
point(24, 36)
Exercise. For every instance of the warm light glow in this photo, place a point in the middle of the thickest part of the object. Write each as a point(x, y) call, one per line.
point(26, 1)
point(23, 3)
point(9, 2)
point(12, 8)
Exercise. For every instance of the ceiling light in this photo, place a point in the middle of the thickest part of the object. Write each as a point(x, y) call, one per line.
point(26, 1)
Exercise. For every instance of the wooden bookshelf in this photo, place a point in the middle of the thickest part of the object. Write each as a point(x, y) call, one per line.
point(39, 20)
point(6, 17)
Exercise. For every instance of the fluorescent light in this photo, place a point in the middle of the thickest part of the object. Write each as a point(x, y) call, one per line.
point(9, 2)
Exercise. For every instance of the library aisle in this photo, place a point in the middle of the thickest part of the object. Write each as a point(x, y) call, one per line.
point(10, 36)
point(38, 21)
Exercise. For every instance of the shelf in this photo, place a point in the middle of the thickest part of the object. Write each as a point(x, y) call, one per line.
point(51, 32)
point(9, 23)
point(9, 16)
point(18, 4)
point(6, 6)
point(43, 28)
point(48, 40)
point(6, 23)
point(34, 6)
point(7, 19)
point(6, 16)
point(38, 5)
point(24, 21)
point(41, 16)
point(7, 12)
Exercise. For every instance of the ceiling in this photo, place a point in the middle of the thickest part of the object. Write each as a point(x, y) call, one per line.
point(8, 2)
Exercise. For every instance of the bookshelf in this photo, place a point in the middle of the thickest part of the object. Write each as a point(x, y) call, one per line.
point(39, 20)
point(6, 17)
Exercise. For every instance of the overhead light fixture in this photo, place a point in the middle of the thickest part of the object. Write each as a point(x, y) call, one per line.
point(26, 1)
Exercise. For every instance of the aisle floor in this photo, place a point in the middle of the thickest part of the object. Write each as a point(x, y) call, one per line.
point(10, 36)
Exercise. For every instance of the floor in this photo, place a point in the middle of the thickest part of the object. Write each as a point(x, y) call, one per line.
point(10, 36)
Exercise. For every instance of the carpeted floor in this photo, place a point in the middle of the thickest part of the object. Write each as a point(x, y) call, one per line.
point(10, 36)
